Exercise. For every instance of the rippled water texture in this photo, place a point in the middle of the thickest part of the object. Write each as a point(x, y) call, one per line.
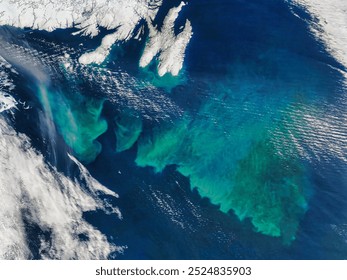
point(242, 155)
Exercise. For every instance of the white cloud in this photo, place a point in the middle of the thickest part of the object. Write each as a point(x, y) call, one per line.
point(6, 85)
point(51, 200)
point(331, 27)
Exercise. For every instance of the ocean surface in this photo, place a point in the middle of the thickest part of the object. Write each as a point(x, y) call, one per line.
point(241, 156)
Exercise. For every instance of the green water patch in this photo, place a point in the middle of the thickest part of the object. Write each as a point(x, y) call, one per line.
point(268, 188)
point(166, 82)
point(230, 159)
point(77, 119)
point(128, 129)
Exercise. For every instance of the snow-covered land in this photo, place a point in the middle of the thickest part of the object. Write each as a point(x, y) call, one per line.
point(170, 47)
point(122, 16)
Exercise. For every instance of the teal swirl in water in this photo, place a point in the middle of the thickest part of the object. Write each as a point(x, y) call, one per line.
point(256, 182)
point(226, 150)
point(166, 82)
point(128, 129)
point(78, 120)
point(268, 189)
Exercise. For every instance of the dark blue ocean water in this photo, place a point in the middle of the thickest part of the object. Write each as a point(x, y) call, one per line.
point(257, 92)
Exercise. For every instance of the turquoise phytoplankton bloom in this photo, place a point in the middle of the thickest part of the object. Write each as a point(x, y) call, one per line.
point(78, 120)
